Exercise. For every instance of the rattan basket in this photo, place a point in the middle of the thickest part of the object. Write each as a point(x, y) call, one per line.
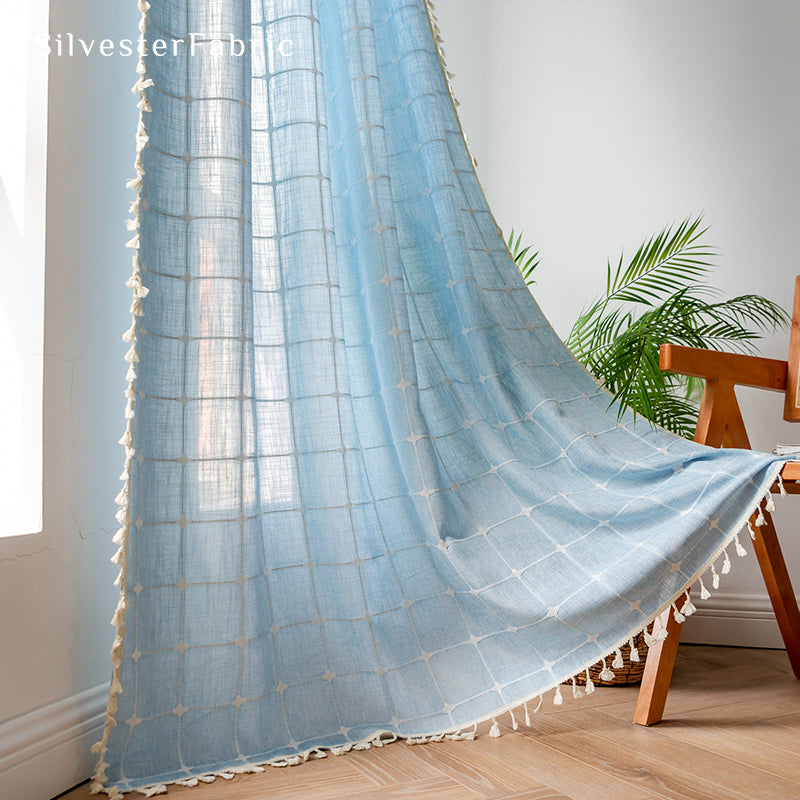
point(630, 672)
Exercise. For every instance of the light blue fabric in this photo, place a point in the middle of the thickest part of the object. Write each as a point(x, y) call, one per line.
point(372, 491)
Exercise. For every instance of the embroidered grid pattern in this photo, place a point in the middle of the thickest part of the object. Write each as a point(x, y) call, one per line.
point(371, 491)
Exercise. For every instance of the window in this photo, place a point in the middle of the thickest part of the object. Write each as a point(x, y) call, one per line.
point(23, 155)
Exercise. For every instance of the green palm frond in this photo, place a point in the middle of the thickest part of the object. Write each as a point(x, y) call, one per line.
point(659, 296)
point(525, 260)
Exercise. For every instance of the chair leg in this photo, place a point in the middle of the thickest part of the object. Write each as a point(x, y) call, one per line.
point(658, 674)
point(779, 587)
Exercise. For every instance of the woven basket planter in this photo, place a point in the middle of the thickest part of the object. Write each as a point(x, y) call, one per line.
point(631, 671)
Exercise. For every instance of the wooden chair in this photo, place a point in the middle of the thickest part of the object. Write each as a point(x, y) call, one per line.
point(720, 424)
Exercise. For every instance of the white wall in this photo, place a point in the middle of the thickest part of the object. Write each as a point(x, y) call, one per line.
point(600, 121)
point(56, 593)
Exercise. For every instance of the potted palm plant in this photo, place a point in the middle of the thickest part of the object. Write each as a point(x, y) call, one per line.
point(660, 295)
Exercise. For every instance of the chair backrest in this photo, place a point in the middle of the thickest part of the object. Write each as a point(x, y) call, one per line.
point(791, 408)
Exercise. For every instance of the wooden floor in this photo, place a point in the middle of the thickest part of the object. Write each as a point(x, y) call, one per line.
point(732, 730)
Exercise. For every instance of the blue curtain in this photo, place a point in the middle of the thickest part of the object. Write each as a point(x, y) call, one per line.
point(367, 491)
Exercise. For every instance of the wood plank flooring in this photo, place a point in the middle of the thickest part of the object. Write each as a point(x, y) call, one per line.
point(731, 732)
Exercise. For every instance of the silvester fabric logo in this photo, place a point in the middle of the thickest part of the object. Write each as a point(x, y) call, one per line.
point(69, 45)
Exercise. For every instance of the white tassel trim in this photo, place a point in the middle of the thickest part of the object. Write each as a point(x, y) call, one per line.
point(123, 498)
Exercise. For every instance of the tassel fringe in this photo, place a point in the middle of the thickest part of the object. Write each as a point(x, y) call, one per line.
point(123, 499)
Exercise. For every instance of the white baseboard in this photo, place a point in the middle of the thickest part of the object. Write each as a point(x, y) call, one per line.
point(46, 752)
point(738, 620)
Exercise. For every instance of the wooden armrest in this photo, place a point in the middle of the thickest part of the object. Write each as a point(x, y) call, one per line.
point(762, 373)
point(791, 472)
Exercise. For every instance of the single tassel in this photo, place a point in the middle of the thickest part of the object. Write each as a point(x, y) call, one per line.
point(589, 683)
point(152, 791)
point(740, 551)
point(761, 520)
point(494, 732)
point(558, 699)
point(577, 691)
point(704, 593)
point(782, 488)
point(688, 607)
point(606, 674)
point(770, 503)
point(514, 725)
point(122, 498)
point(634, 652)
point(678, 616)
point(714, 577)
point(618, 662)
point(726, 564)
point(751, 531)
point(659, 631)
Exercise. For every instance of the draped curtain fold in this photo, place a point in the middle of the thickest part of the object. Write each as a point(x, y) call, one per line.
point(367, 490)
